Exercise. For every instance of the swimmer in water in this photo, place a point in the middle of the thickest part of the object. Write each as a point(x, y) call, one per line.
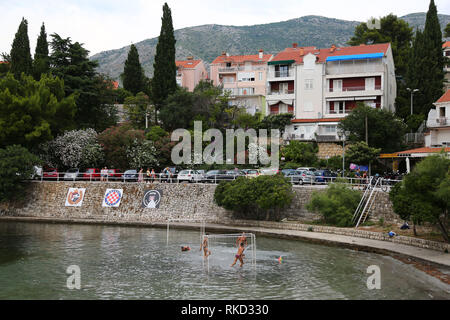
point(185, 248)
point(239, 256)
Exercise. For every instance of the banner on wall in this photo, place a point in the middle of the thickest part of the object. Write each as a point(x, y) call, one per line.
point(152, 199)
point(75, 197)
point(112, 198)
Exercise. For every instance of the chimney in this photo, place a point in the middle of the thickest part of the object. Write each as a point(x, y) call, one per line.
point(261, 53)
point(224, 53)
point(190, 58)
point(333, 48)
point(302, 52)
point(294, 45)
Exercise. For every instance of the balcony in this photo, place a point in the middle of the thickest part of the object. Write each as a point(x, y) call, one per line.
point(284, 75)
point(280, 95)
point(353, 91)
point(438, 122)
point(230, 70)
point(327, 138)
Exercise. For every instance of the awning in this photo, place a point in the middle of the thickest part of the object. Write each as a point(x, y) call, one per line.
point(272, 63)
point(357, 57)
point(341, 99)
point(288, 102)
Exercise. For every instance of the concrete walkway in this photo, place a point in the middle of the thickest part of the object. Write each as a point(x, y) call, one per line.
point(369, 245)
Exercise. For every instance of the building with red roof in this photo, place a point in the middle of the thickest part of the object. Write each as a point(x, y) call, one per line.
point(322, 86)
point(190, 72)
point(244, 78)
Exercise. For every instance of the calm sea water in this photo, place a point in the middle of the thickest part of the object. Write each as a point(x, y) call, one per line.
point(137, 263)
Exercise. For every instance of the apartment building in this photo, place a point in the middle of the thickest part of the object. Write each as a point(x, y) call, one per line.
point(322, 86)
point(244, 78)
point(438, 123)
point(190, 72)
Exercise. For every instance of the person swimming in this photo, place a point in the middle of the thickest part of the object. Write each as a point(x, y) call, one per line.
point(185, 248)
point(239, 256)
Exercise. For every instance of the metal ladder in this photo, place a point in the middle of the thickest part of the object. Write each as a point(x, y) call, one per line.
point(366, 203)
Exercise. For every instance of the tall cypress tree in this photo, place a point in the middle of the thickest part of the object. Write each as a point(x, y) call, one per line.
point(426, 66)
point(20, 51)
point(133, 77)
point(164, 80)
point(41, 63)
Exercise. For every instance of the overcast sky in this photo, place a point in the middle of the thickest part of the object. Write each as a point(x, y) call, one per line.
point(110, 24)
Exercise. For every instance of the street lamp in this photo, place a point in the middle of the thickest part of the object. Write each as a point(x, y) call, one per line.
point(343, 136)
point(412, 97)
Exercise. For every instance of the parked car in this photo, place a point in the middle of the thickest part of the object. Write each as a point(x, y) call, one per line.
point(216, 176)
point(285, 172)
point(91, 174)
point(269, 171)
point(189, 176)
point(324, 176)
point(114, 174)
point(37, 173)
point(253, 173)
point(234, 174)
point(72, 174)
point(301, 177)
point(130, 176)
point(307, 169)
point(51, 174)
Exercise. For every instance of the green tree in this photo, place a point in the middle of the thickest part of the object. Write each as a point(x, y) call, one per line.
point(41, 62)
point(361, 153)
point(16, 164)
point(156, 133)
point(426, 65)
point(423, 195)
point(116, 141)
point(178, 111)
point(20, 51)
point(94, 96)
point(133, 76)
point(262, 198)
point(137, 109)
point(447, 31)
point(276, 122)
point(32, 112)
point(385, 130)
point(164, 76)
point(336, 205)
point(304, 154)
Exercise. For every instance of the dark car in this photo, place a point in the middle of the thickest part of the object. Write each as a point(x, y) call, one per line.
point(234, 174)
point(216, 176)
point(130, 176)
point(324, 176)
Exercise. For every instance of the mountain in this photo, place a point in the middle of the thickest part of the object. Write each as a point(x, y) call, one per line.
point(209, 41)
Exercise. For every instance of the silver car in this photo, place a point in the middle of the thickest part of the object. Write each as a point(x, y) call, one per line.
point(301, 177)
point(72, 174)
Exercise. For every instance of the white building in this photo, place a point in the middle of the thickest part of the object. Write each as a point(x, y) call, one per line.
point(438, 124)
point(322, 86)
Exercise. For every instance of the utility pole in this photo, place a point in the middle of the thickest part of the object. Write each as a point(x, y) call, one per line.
point(367, 132)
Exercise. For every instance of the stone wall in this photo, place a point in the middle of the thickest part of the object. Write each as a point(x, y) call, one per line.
point(187, 201)
point(328, 150)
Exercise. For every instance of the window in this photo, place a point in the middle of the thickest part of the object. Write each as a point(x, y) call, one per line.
point(228, 64)
point(337, 85)
point(370, 83)
point(284, 88)
point(329, 129)
point(283, 108)
point(309, 84)
point(260, 76)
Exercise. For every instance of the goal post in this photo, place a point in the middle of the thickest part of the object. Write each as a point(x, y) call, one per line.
point(224, 247)
point(174, 220)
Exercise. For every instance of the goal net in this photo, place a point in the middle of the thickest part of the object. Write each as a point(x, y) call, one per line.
point(224, 247)
point(200, 223)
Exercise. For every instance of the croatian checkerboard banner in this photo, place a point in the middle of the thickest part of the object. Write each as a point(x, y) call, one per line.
point(75, 197)
point(112, 198)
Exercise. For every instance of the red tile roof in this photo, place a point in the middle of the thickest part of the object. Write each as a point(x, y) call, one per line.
point(298, 53)
point(187, 64)
point(424, 150)
point(242, 59)
point(446, 44)
point(316, 120)
point(115, 84)
point(3, 62)
point(445, 97)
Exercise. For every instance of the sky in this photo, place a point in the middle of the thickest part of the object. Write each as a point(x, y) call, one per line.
point(111, 24)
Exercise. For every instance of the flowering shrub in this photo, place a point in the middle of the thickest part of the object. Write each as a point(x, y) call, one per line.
point(141, 154)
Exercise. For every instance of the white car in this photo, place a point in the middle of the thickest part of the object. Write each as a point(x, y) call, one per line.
point(269, 171)
point(189, 176)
